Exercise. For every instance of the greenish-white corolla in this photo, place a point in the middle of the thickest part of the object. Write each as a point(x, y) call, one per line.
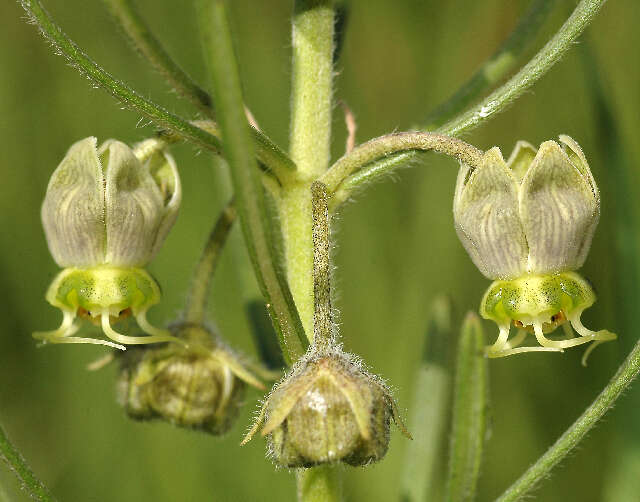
point(527, 224)
point(105, 215)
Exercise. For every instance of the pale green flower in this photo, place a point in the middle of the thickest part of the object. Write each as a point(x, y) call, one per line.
point(105, 215)
point(528, 223)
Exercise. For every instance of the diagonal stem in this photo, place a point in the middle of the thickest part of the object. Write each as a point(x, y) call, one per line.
point(145, 42)
point(37, 490)
point(247, 185)
point(198, 294)
point(496, 67)
point(267, 151)
point(626, 373)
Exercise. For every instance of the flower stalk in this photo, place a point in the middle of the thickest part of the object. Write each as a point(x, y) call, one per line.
point(198, 294)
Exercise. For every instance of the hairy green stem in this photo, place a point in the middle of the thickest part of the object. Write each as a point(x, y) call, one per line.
point(36, 489)
point(469, 421)
point(319, 484)
point(267, 152)
point(627, 371)
point(391, 143)
point(429, 409)
point(198, 295)
point(312, 40)
point(530, 73)
point(247, 185)
point(322, 325)
point(496, 67)
point(134, 26)
point(312, 68)
point(487, 108)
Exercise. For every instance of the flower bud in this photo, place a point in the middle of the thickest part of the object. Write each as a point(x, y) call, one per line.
point(528, 223)
point(200, 386)
point(105, 215)
point(328, 409)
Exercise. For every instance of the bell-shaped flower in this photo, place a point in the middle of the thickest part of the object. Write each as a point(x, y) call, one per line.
point(527, 223)
point(105, 215)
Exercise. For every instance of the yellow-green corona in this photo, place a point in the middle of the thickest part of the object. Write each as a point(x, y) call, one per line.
point(105, 215)
point(527, 223)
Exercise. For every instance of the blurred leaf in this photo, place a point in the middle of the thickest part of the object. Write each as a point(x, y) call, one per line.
point(429, 408)
point(470, 406)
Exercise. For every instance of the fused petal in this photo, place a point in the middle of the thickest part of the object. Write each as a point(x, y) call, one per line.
point(73, 209)
point(486, 217)
point(559, 209)
point(521, 158)
point(163, 169)
point(134, 207)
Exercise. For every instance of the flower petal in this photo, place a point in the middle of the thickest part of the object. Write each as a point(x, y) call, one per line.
point(559, 209)
point(134, 207)
point(165, 173)
point(73, 208)
point(486, 218)
point(521, 158)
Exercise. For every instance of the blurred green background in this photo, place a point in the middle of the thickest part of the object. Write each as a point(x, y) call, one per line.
point(395, 246)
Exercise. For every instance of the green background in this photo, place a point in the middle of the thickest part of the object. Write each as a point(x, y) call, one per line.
point(395, 247)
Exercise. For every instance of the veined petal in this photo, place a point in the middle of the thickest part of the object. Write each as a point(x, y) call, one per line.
point(559, 209)
point(165, 173)
point(73, 208)
point(134, 207)
point(521, 158)
point(486, 218)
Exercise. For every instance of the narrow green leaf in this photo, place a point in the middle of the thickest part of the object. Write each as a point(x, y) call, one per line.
point(470, 408)
point(247, 185)
point(429, 409)
point(36, 489)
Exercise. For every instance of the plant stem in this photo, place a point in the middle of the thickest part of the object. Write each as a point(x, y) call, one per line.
point(312, 40)
point(469, 421)
point(391, 143)
point(198, 295)
point(312, 67)
point(496, 67)
point(37, 490)
point(247, 185)
point(132, 23)
point(322, 325)
point(267, 152)
point(319, 484)
point(528, 75)
point(627, 371)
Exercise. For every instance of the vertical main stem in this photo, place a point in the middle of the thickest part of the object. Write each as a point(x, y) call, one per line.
point(312, 40)
point(320, 484)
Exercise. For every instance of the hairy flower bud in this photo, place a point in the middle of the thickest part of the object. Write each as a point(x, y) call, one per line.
point(105, 215)
point(528, 223)
point(328, 409)
point(200, 386)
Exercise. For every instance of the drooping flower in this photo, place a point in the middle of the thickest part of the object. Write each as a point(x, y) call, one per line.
point(200, 386)
point(105, 216)
point(527, 224)
point(328, 409)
